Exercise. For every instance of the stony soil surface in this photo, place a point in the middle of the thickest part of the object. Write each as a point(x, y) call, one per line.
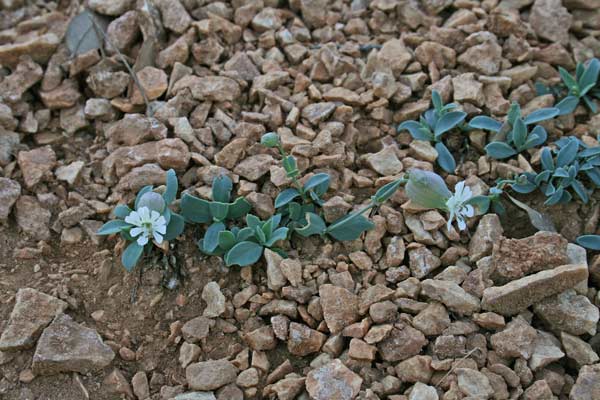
point(412, 311)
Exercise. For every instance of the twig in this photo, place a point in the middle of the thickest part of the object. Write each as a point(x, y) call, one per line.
point(456, 364)
point(129, 69)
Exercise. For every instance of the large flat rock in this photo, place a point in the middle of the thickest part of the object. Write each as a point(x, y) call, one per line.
point(33, 311)
point(519, 294)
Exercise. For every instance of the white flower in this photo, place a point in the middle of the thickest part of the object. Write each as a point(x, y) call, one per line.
point(457, 206)
point(147, 224)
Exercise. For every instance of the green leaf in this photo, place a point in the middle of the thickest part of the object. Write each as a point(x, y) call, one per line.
point(218, 210)
point(221, 189)
point(499, 150)
point(269, 139)
point(427, 189)
point(591, 242)
point(285, 197)
point(568, 105)
point(238, 208)
point(315, 226)
point(290, 166)
point(568, 80)
point(519, 133)
point(448, 121)
point(436, 99)
point(142, 191)
point(542, 114)
point(416, 130)
point(121, 211)
point(175, 227)
point(211, 238)
point(195, 210)
point(279, 234)
point(514, 112)
point(590, 104)
point(171, 191)
point(590, 76)
point(485, 123)
point(113, 227)
point(567, 154)
point(319, 183)
point(540, 221)
point(243, 254)
point(226, 240)
point(244, 234)
point(580, 190)
point(350, 227)
point(253, 221)
point(480, 203)
point(445, 159)
point(537, 137)
point(546, 158)
point(387, 191)
point(153, 201)
point(131, 255)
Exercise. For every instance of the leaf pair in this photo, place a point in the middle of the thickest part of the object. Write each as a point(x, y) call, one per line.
point(580, 87)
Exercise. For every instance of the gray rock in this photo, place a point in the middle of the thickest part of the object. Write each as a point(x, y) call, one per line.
point(569, 312)
point(196, 396)
point(587, 386)
point(66, 346)
point(451, 295)
point(9, 193)
point(33, 311)
point(215, 301)
point(333, 381)
point(488, 232)
point(210, 375)
point(578, 350)
point(546, 350)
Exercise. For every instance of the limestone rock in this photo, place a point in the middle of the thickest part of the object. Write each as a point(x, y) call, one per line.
point(32, 218)
point(66, 346)
point(209, 88)
point(9, 193)
point(333, 381)
point(551, 21)
point(488, 232)
point(340, 307)
point(215, 300)
point(210, 375)
point(569, 312)
point(36, 164)
point(451, 295)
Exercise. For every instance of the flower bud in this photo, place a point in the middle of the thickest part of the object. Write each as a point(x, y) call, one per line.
point(427, 189)
point(153, 201)
point(270, 139)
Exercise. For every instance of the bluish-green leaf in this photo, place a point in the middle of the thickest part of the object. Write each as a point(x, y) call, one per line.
point(485, 123)
point(290, 166)
point(436, 99)
point(580, 190)
point(499, 150)
point(319, 183)
point(175, 227)
point(555, 197)
point(253, 221)
point(514, 112)
point(448, 121)
point(519, 133)
point(121, 211)
point(537, 137)
point(480, 203)
point(415, 130)
point(278, 234)
point(568, 105)
point(131, 255)
point(195, 210)
point(142, 191)
point(315, 226)
point(211, 238)
point(221, 189)
point(590, 76)
point(152, 201)
point(226, 240)
point(114, 226)
point(427, 189)
point(546, 158)
point(568, 79)
point(387, 191)
point(244, 234)
point(445, 159)
point(243, 254)
point(238, 208)
point(567, 154)
point(349, 227)
point(542, 114)
point(590, 104)
point(171, 190)
point(591, 242)
point(219, 210)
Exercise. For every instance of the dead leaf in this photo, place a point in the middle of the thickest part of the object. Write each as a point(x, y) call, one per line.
point(542, 222)
point(82, 35)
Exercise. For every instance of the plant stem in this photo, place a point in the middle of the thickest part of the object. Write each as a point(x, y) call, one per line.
point(294, 179)
point(353, 215)
point(124, 61)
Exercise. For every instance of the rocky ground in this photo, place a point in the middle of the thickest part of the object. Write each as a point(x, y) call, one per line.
point(413, 311)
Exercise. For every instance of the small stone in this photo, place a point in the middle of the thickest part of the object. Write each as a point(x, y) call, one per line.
point(70, 173)
point(422, 262)
point(420, 391)
point(551, 21)
point(385, 162)
point(275, 278)
point(9, 193)
point(468, 89)
point(115, 383)
point(489, 231)
point(401, 344)
point(209, 88)
point(261, 339)
point(254, 167)
point(140, 385)
point(433, 320)
point(268, 19)
point(340, 307)
point(197, 329)
point(32, 218)
point(451, 295)
point(569, 312)
point(215, 300)
point(210, 375)
point(39, 48)
point(539, 390)
point(473, 383)
point(174, 15)
point(303, 340)
point(587, 385)
point(484, 58)
point(110, 7)
point(188, 353)
point(66, 346)
point(546, 350)
point(155, 83)
point(318, 112)
point(395, 55)
point(292, 270)
point(578, 350)
point(415, 369)
point(360, 350)
point(36, 164)
point(516, 340)
point(333, 381)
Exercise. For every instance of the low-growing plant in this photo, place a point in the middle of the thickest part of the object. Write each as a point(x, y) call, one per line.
point(581, 87)
point(245, 246)
point(215, 212)
point(432, 126)
point(513, 136)
point(299, 205)
point(151, 220)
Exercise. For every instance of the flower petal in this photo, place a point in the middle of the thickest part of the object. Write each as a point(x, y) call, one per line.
point(144, 214)
point(142, 240)
point(136, 231)
point(157, 237)
point(133, 218)
point(461, 223)
point(154, 216)
point(160, 228)
point(468, 211)
point(160, 221)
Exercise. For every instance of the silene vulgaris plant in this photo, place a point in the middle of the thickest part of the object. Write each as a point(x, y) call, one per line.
point(432, 126)
point(514, 136)
point(300, 205)
point(151, 221)
point(581, 87)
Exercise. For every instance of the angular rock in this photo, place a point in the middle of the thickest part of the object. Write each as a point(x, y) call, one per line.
point(578, 350)
point(489, 231)
point(318, 112)
point(385, 162)
point(546, 350)
point(484, 58)
point(33, 311)
point(473, 383)
point(587, 385)
point(569, 312)
point(210, 375)
point(254, 167)
point(420, 391)
point(422, 261)
point(551, 21)
point(209, 88)
point(36, 164)
point(401, 344)
point(32, 218)
point(9, 193)
point(174, 15)
point(517, 295)
point(134, 129)
point(215, 300)
point(303, 340)
point(333, 381)
point(340, 307)
point(39, 48)
point(516, 340)
point(110, 7)
point(66, 346)
point(451, 295)
point(154, 81)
